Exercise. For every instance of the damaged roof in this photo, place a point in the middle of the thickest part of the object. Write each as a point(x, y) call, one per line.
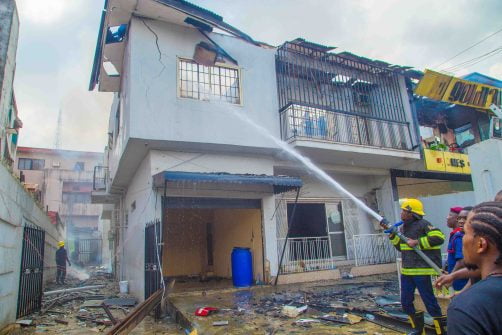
point(311, 49)
point(119, 12)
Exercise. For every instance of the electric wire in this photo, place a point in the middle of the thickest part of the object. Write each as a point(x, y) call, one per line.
point(469, 48)
point(473, 61)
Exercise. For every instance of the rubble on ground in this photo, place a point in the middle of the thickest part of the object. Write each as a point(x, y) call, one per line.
point(87, 310)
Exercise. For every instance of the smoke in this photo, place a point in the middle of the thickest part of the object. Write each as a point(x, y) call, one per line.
point(77, 272)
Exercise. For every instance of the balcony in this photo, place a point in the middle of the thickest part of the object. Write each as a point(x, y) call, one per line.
point(72, 175)
point(331, 137)
point(100, 187)
point(99, 178)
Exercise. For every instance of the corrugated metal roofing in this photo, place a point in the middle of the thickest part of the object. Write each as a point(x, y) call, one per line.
point(280, 183)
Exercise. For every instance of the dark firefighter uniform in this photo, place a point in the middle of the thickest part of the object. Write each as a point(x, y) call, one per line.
point(415, 272)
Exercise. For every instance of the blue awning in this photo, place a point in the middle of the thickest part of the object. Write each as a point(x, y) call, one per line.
point(280, 184)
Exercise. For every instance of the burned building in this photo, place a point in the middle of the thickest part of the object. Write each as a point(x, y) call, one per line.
point(195, 165)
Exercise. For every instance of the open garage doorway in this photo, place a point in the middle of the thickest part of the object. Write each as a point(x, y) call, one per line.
point(199, 239)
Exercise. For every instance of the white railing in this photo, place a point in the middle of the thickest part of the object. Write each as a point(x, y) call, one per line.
point(370, 249)
point(306, 254)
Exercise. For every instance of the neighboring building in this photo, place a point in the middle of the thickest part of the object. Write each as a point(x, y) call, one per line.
point(455, 117)
point(187, 171)
point(9, 120)
point(62, 180)
point(28, 237)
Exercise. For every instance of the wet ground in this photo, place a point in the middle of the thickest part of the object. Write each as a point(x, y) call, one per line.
point(346, 306)
point(260, 310)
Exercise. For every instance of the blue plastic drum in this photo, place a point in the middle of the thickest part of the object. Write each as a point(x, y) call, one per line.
point(242, 267)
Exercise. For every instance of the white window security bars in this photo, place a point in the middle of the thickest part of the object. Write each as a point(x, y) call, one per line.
point(306, 254)
point(372, 249)
point(201, 82)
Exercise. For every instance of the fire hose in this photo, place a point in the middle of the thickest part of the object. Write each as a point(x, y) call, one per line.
point(386, 225)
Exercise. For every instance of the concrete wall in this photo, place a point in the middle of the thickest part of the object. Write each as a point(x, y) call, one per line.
point(156, 111)
point(17, 208)
point(486, 169)
point(437, 208)
point(132, 244)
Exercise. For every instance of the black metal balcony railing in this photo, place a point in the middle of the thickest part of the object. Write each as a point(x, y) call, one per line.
point(313, 123)
point(99, 178)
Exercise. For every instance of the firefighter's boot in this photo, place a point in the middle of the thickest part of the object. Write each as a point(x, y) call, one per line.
point(440, 325)
point(417, 323)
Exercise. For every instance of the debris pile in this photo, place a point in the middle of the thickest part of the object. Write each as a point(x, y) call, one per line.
point(93, 304)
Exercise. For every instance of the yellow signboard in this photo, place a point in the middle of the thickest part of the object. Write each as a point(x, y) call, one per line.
point(445, 161)
point(457, 91)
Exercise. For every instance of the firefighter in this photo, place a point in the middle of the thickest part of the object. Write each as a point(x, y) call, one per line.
point(415, 272)
point(61, 259)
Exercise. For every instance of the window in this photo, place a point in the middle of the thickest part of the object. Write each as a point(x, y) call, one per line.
point(464, 136)
point(79, 166)
point(208, 82)
point(31, 164)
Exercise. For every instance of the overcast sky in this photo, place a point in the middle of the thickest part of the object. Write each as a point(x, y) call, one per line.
point(58, 38)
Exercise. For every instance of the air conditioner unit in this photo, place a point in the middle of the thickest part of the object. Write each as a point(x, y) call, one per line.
point(56, 164)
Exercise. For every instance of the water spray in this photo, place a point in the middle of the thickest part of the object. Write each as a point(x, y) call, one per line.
point(327, 178)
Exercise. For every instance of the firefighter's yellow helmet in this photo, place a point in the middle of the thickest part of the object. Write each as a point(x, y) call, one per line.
point(413, 205)
point(61, 244)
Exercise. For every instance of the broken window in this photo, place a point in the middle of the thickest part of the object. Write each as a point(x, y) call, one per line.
point(116, 34)
point(110, 69)
point(201, 82)
point(31, 164)
point(317, 231)
point(465, 135)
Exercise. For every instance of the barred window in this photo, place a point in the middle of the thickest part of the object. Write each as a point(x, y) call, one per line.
point(208, 82)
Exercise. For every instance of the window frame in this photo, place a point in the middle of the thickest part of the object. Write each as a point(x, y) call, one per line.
point(218, 64)
point(40, 162)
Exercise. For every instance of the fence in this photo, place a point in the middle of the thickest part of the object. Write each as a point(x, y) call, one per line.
point(88, 251)
point(32, 271)
point(371, 249)
point(305, 254)
point(153, 255)
point(299, 121)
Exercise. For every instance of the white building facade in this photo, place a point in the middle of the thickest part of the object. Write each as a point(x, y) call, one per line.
point(192, 155)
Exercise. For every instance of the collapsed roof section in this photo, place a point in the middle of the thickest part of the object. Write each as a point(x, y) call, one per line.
point(115, 19)
point(321, 52)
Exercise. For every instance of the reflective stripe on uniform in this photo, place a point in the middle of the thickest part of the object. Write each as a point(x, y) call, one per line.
point(395, 240)
point(436, 233)
point(424, 241)
point(418, 272)
point(405, 247)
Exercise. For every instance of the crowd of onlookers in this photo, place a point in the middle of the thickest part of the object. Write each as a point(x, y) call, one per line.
point(473, 267)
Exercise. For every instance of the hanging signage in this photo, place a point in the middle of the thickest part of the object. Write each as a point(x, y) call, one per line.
point(457, 91)
point(446, 161)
